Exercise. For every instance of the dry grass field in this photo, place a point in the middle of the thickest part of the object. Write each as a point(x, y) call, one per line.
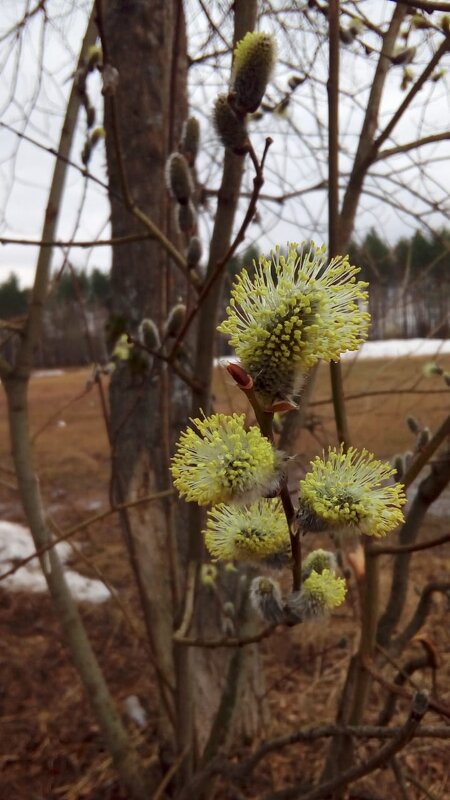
point(51, 749)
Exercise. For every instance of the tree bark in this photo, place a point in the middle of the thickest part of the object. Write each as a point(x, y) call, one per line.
point(139, 122)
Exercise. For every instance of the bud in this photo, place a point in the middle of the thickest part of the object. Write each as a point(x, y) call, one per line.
point(399, 466)
point(419, 22)
point(432, 369)
point(187, 218)
point(423, 438)
point(407, 460)
point(356, 26)
point(97, 134)
point(265, 597)
point(412, 424)
point(318, 560)
point(174, 321)
point(229, 127)
point(320, 593)
point(445, 22)
point(436, 76)
point(94, 57)
point(281, 108)
point(149, 335)
point(121, 351)
point(178, 178)
point(293, 82)
point(190, 138)
point(194, 252)
point(254, 58)
point(346, 35)
point(242, 378)
point(208, 574)
point(404, 56)
point(407, 78)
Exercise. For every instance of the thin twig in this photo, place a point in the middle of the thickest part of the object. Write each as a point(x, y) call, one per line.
point(381, 550)
point(231, 641)
point(118, 240)
point(379, 759)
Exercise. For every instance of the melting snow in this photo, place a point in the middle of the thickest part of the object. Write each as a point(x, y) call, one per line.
point(387, 348)
point(16, 543)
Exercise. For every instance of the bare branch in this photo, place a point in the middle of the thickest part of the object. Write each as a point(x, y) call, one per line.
point(405, 148)
point(132, 237)
point(225, 641)
point(425, 5)
point(382, 757)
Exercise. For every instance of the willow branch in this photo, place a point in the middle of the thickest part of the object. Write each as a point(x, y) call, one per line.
point(382, 757)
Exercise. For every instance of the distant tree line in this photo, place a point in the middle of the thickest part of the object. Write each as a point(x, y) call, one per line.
point(409, 296)
point(409, 284)
point(74, 322)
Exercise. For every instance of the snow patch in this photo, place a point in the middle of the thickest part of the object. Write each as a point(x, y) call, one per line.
point(47, 373)
point(16, 544)
point(387, 348)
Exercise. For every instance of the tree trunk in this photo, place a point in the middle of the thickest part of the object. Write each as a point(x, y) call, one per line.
point(140, 43)
point(148, 410)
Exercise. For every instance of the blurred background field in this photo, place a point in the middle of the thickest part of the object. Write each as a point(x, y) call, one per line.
point(60, 749)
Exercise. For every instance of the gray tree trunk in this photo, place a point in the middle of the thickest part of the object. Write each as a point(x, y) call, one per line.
point(148, 412)
point(140, 44)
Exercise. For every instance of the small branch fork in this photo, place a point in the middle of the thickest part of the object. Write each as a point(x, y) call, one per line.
point(265, 422)
point(396, 738)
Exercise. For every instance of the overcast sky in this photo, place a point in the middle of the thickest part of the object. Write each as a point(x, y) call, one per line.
point(297, 159)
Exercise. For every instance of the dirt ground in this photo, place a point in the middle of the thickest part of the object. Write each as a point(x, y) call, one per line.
point(50, 747)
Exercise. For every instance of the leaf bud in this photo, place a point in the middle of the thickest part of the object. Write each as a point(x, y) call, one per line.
point(149, 335)
point(208, 574)
point(97, 134)
point(438, 74)
point(122, 347)
point(346, 35)
point(318, 560)
point(294, 81)
point(265, 597)
point(419, 22)
point(254, 58)
point(190, 138)
point(407, 78)
point(178, 178)
point(432, 369)
point(194, 252)
point(412, 424)
point(356, 26)
point(399, 466)
point(404, 56)
point(174, 321)
point(187, 218)
point(229, 127)
point(94, 58)
point(423, 438)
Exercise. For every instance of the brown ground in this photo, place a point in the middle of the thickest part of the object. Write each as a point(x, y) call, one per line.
point(50, 746)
